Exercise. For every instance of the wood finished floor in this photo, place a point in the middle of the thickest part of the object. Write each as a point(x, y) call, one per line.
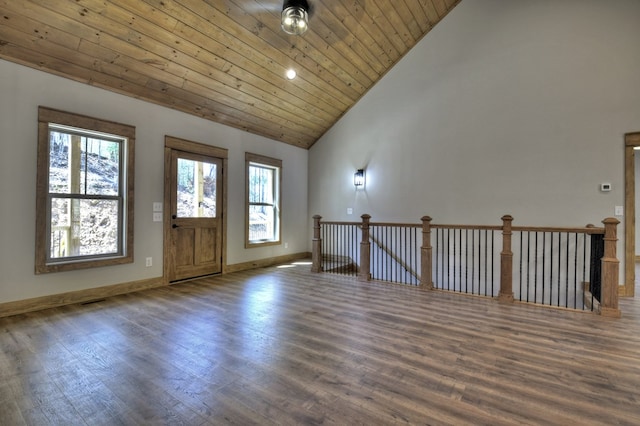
point(282, 346)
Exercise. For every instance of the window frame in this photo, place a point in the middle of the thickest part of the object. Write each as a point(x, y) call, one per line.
point(43, 263)
point(271, 163)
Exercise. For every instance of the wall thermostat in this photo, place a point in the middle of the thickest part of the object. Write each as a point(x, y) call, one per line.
point(605, 187)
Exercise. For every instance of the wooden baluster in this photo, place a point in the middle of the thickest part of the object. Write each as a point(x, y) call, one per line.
point(610, 270)
point(506, 262)
point(316, 248)
point(426, 255)
point(364, 274)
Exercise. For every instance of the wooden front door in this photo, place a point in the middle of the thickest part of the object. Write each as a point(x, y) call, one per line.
point(195, 206)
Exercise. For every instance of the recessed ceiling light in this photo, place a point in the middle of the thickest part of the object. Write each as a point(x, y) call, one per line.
point(291, 74)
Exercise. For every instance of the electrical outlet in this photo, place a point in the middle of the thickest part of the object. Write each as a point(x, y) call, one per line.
point(149, 262)
point(286, 245)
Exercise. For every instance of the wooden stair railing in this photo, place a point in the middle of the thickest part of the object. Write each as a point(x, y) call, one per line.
point(610, 264)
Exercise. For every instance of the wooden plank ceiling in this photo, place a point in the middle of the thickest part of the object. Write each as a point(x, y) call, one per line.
point(223, 60)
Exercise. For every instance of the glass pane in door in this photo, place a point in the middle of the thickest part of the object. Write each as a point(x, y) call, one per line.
point(196, 189)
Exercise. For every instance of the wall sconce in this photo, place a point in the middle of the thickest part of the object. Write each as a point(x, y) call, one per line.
point(358, 178)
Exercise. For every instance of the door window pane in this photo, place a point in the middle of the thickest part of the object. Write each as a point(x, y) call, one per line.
point(196, 189)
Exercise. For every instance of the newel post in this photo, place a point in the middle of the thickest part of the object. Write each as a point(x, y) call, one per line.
point(426, 255)
point(610, 270)
point(316, 248)
point(364, 273)
point(506, 262)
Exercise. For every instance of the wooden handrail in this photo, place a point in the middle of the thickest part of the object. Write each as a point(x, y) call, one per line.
point(478, 227)
point(399, 225)
point(586, 230)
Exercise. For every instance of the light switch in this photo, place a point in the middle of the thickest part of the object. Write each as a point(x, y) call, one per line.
point(349, 210)
point(619, 211)
point(157, 217)
point(157, 207)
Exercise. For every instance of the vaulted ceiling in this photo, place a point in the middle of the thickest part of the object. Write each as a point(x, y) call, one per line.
point(223, 60)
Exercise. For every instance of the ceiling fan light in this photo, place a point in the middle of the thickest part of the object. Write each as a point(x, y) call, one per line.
point(295, 17)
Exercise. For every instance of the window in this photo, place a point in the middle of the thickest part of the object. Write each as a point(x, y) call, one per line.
point(263, 200)
point(84, 194)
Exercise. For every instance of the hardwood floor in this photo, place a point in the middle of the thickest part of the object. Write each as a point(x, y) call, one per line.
point(284, 346)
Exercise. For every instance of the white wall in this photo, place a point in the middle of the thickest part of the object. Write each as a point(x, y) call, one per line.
point(507, 107)
point(23, 89)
